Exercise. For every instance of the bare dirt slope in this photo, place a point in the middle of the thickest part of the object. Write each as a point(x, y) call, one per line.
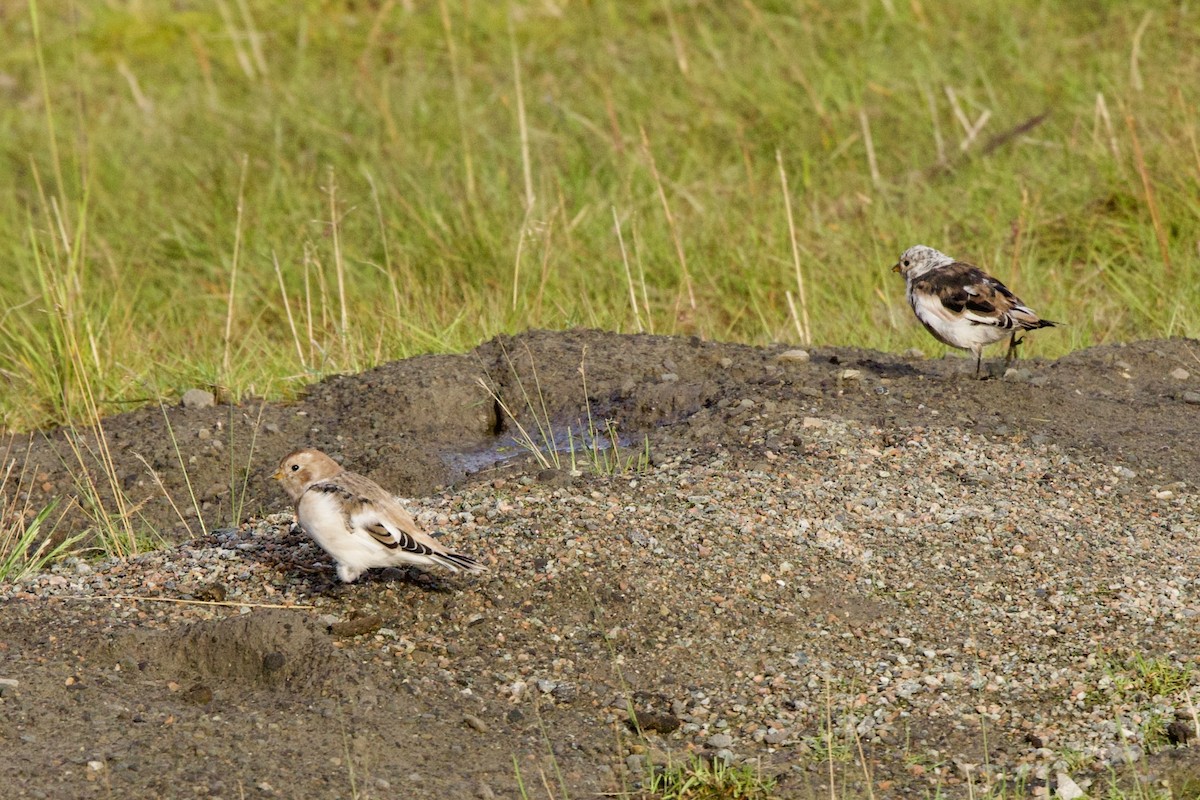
point(802, 523)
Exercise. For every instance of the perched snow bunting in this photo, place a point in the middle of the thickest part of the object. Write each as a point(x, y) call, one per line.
point(354, 520)
point(963, 306)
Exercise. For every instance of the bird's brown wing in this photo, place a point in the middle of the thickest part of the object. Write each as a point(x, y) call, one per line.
point(966, 291)
point(373, 509)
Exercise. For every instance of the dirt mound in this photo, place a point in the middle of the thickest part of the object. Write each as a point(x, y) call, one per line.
point(424, 423)
point(264, 648)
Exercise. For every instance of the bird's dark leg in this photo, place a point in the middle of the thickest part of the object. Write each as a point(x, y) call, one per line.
point(1013, 342)
point(978, 361)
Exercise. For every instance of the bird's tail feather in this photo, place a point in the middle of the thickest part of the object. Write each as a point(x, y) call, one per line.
point(457, 561)
point(1027, 319)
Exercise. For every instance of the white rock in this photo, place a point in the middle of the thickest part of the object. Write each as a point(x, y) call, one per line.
point(1180, 374)
point(1067, 788)
point(798, 356)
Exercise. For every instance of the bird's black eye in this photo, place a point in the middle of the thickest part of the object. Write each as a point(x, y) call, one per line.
point(906, 262)
point(295, 467)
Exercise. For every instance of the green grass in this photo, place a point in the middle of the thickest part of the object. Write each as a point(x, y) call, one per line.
point(702, 779)
point(248, 195)
point(1151, 676)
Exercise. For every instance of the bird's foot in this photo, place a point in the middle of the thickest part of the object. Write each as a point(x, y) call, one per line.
point(1011, 355)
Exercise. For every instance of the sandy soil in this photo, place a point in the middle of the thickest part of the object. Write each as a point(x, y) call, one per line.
point(152, 699)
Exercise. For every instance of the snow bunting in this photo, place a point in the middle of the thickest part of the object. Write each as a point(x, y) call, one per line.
point(356, 521)
point(963, 306)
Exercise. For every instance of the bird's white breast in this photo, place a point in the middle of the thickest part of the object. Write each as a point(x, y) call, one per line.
point(323, 518)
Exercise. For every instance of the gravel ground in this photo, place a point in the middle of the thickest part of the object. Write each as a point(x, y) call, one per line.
point(924, 607)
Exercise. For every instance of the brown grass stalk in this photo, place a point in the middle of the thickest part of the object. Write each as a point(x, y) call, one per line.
point(803, 329)
point(869, 144)
point(233, 270)
point(675, 237)
point(1148, 187)
point(633, 303)
point(456, 80)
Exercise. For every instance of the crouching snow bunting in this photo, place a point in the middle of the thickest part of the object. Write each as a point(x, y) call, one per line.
point(963, 306)
point(356, 521)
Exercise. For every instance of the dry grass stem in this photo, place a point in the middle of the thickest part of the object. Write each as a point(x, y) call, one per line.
point(522, 124)
point(872, 164)
point(233, 268)
point(675, 237)
point(633, 303)
point(803, 329)
point(1101, 117)
point(1148, 187)
point(185, 602)
point(1135, 53)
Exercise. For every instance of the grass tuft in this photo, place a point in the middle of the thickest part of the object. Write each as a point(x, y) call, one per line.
point(704, 779)
point(596, 445)
point(27, 534)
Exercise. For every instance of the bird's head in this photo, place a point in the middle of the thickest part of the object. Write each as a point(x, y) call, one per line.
point(302, 468)
point(919, 259)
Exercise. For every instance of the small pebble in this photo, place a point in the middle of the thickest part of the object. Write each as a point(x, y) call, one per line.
point(198, 398)
point(793, 356)
point(475, 723)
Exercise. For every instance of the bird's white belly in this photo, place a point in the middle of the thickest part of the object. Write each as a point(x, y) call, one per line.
point(322, 518)
point(956, 331)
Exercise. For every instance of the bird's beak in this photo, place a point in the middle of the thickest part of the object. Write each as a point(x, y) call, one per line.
point(896, 267)
point(278, 475)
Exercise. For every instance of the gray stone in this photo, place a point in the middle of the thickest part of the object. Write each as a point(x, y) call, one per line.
point(720, 740)
point(198, 398)
point(1180, 374)
point(1017, 374)
point(794, 356)
point(1192, 398)
point(564, 692)
point(1120, 754)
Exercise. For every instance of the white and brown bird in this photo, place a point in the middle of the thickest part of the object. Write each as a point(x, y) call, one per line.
point(356, 521)
point(963, 306)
